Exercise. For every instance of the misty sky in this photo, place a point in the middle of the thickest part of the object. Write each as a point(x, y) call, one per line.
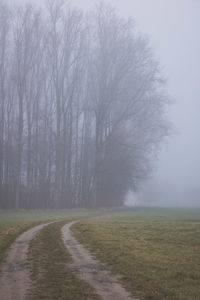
point(173, 27)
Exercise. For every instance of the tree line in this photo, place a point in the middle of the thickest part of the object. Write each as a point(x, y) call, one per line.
point(82, 107)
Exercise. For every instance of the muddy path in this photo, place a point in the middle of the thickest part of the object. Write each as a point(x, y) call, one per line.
point(92, 271)
point(15, 280)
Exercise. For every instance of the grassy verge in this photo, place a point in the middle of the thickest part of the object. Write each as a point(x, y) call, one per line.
point(13, 223)
point(156, 251)
point(50, 274)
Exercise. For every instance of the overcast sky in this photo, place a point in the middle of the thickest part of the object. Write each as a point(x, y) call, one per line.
point(173, 27)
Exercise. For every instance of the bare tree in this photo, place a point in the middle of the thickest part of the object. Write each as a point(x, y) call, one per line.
point(123, 84)
point(4, 33)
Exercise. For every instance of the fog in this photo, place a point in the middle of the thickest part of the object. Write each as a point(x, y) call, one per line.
point(173, 28)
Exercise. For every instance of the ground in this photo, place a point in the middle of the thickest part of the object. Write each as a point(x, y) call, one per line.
point(12, 223)
point(156, 251)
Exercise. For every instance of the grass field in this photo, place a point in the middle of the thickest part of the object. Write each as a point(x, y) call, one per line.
point(156, 251)
point(13, 223)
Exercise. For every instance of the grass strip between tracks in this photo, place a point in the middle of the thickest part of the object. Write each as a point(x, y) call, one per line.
point(48, 261)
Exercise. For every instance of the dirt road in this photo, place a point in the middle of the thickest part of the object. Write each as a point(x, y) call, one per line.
point(92, 271)
point(15, 279)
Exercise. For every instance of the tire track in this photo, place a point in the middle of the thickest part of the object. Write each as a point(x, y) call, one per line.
point(15, 276)
point(92, 271)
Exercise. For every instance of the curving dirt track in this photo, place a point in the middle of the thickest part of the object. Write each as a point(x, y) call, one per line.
point(92, 271)
point(15, 279)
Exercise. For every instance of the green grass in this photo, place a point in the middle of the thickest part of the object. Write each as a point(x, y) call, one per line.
point(49, 271)
point(12, 223)
point(156, 251)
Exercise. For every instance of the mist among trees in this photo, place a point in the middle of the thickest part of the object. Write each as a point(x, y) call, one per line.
point(82, 107)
